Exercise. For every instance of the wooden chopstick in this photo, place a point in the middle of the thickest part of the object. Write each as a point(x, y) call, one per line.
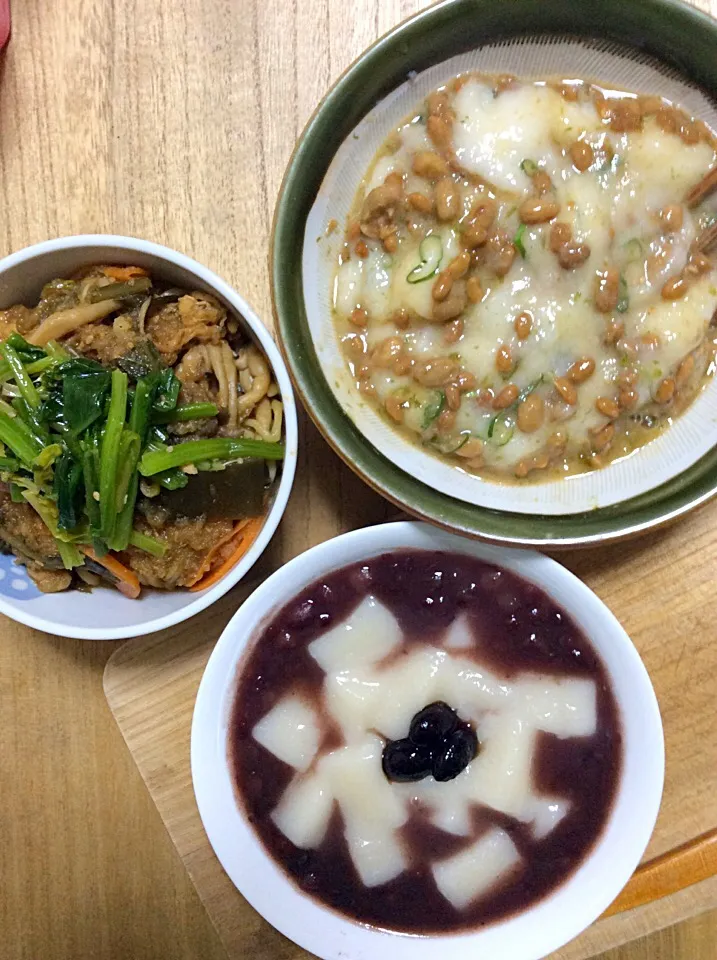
point(672, 871)
point(702, 189)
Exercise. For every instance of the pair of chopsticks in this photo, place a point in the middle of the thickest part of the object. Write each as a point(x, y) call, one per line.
point(675, 870)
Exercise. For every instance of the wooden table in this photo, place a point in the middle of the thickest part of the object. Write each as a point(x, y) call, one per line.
point(170, 120)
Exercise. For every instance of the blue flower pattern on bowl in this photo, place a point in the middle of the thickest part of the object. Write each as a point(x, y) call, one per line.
point(14, 580)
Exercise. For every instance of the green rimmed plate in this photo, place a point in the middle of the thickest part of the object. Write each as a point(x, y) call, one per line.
point(675, 34)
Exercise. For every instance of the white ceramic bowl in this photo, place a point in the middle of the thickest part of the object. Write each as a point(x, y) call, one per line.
point(529, 935)
point(104, 614)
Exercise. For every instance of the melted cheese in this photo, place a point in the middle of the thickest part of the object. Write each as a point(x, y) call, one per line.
point(612, 207)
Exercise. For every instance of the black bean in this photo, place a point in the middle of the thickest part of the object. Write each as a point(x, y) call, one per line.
point(404, 761)
point(432, 725)
point(458, 751)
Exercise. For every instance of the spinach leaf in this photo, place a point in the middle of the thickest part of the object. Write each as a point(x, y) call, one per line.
point(167, 391)
point(83, 396)
point(141, 361)
point(26, 351)
point(68, 473)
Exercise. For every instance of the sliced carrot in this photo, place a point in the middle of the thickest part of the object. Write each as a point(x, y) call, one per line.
point(248, 535)
point(124, 273)
point(127, 581)
point(210, 555)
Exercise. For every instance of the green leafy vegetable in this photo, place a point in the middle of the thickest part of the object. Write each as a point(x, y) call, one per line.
point(154, 462)
point(187, 411)
point(167, 391)
point(109, 453)
point(15, 434)
point(84, 392)
point(22, 378)
point(149, 544)
point(141, 361)
point(68, 473)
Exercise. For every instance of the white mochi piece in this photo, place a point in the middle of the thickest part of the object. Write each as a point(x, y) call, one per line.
point(351, 701)
point(363, 639)
point(377, 855)
point(459, 635)
point(448, 804)
point(545, 813)
point(358, 783)
point(478, 870)
point(290, 731)
point(501, 773)
point(565, 707)
point(405, 688)
point(304, 811)
point(453, 818)
point(372, 811)
point(470, 689)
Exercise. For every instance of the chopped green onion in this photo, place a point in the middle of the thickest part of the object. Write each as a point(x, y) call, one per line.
point(528, 166)
point(624, 295)
point(149, 544)
point(20, 375)
point(431, 254)
point(634, 250)
point(518, 240)
point(433, 409)
point(502, 432)
point(187, 411)
point(158, 461)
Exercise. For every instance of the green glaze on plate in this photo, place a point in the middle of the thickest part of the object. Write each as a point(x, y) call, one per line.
point(675, 34)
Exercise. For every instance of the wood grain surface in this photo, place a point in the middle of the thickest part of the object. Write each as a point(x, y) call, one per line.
point(173, 120)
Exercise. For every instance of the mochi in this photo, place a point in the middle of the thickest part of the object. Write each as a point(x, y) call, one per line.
point(364, 638)
point(304, 811)
point(290, 731)
point(478, 870)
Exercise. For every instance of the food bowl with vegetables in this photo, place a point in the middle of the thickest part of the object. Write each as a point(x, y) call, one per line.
point(148, 437)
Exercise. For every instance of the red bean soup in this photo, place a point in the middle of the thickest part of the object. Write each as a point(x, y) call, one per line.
point(425, 742)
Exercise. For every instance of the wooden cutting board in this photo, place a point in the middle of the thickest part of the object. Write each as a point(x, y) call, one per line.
point(661, 587)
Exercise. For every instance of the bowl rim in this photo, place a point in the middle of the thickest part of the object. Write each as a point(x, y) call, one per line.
point(326, 933)
point(312, 154)
point(227, 293)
